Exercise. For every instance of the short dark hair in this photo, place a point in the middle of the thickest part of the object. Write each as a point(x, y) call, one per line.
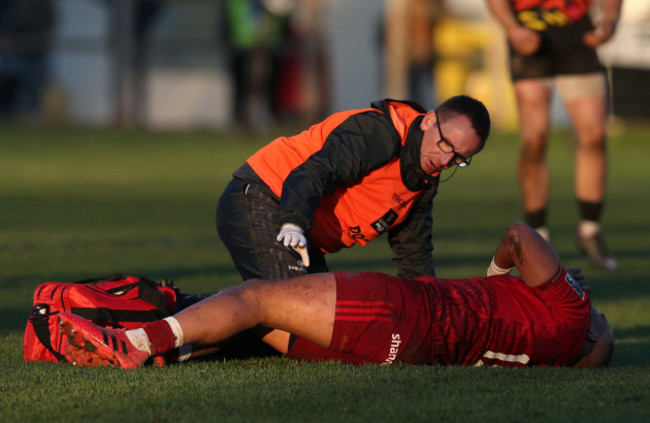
point(473, 109)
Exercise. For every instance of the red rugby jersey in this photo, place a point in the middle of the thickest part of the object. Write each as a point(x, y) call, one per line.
point(499, 321)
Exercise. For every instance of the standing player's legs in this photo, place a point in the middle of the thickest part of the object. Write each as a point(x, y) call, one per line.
point(533, 101)
point(585, 98)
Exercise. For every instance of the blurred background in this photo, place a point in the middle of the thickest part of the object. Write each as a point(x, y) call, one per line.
point(220, 64)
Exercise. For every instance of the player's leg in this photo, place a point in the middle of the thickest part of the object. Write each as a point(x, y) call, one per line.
point(234, 222)
point(585, 98)
point(533, 101)
point(523, 247)
point(304, 306)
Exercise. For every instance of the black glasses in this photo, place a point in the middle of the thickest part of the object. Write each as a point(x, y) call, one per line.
point(446, 147)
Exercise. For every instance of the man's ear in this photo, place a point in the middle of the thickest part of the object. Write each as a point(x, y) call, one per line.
point(428, 121)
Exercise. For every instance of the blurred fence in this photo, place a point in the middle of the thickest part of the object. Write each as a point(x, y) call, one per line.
point(197, 63)
point(155, 63)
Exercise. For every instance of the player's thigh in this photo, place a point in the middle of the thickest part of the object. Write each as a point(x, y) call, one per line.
point(247, 227)
point(235, 225)
point(585, 99)
point(278, 339)
point(533, 102)
point(304, 306)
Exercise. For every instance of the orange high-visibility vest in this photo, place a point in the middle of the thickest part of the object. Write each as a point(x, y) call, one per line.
point(352, 214)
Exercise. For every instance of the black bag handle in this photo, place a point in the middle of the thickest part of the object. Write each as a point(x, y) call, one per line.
point(150, 293)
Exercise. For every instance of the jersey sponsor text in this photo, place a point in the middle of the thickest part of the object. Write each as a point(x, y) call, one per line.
point(395, 342)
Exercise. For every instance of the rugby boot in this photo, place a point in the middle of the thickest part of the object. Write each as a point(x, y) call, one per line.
point(594, 247)
point(90, 345)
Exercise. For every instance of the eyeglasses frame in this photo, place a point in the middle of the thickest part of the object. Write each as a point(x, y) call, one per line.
point(464, 162)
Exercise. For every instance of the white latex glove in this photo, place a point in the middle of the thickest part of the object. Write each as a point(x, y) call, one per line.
point(292, 236)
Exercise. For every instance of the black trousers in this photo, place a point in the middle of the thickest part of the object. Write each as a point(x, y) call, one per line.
point(247, 226)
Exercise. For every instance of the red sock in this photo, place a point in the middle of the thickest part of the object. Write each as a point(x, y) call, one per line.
point(161, 337)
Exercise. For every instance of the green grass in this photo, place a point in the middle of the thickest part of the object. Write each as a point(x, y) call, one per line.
point(79, 203)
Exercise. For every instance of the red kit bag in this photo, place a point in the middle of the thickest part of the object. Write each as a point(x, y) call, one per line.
point(114, 301)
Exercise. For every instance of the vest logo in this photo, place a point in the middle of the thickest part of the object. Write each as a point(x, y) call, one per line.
point(356, 232)
point(385, 221)
point(401, 203)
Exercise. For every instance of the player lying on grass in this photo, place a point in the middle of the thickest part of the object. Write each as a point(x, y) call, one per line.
point(544, 317)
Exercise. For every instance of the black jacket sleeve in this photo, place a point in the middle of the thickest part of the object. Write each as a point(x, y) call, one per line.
point(411, 240)
point(360, 144)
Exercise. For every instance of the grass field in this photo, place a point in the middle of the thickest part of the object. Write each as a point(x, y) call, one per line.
point(80, 203)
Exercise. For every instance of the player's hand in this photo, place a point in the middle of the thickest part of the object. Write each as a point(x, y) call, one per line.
point(524, 41)
point(292, 236)
point(603, 31)
point(576, 274)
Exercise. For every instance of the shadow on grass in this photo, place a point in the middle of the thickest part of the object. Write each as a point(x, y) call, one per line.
point(14, 319)
point(631, 347)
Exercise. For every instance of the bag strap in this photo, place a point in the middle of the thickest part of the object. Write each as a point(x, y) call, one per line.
point(103, 314)
point(150, 293)
point(40, 323)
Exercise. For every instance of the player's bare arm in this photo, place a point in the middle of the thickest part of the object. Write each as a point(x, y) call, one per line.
point(525, 41)
point(524, 248)
point(605, 28)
